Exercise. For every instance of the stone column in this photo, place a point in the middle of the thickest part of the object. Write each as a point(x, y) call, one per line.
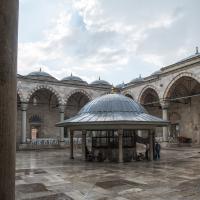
point(165, 106)
point(139, 132)
point(120, 136)
point(62, 117)
point(84, 144)
point(24, 109)
point(71, 144)
point(151, 144)
point(8, 96)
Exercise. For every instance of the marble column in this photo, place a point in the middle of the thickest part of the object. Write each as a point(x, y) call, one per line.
point(62, 118)
point(71, 144)
point(84, 144)
point(8, 96)
point(165, 107)
point(120, 136)
point(139, 132)
point(24, 109)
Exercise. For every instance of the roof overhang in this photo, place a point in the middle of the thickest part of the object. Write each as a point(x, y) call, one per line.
point(112, 125)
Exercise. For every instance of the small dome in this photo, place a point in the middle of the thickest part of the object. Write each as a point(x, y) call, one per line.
point(120, 85)
point(71, 79)
point(112, 103)
point(156, 72)
point(101, 83)
point(40, 74)
point(137, 80)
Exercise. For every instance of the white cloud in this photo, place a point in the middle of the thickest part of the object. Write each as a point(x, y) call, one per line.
point(93, 37)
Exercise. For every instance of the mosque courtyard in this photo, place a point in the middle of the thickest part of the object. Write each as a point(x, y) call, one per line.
point(50, 174)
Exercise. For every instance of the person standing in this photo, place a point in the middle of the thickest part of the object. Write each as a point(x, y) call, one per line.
point(157, 150)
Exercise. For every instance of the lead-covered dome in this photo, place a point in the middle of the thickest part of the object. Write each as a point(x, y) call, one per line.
point(101, 83)
point(40, 75)
point(112, 103)
point(156, 73)
point(137, 80)
point(73, 80)
point(112, 109)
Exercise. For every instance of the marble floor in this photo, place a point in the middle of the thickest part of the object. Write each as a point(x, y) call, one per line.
point(50, 174)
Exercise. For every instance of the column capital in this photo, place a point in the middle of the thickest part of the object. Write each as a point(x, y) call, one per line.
point(24, 106)
point(164, 104)
point(62, 108)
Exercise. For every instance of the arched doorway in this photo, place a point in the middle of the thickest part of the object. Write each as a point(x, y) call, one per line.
point(184, 98)
point(35, 126)
point(42, 114)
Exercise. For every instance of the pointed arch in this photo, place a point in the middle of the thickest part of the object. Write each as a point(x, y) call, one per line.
point(77, 91)
point(147, 87)
point(30, 93)
point(176, 78)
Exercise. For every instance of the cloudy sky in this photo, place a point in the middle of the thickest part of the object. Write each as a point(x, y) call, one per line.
point(114, 39)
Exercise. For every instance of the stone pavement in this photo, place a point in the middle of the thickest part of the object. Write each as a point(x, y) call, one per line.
point(51, 175)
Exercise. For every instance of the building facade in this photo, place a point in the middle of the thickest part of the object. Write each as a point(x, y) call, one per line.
point(172, 93)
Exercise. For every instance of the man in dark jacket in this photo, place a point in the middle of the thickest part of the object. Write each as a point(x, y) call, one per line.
point(157, 150)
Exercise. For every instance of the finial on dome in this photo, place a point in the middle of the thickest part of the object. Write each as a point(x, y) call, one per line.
point(40, 69)
point(71, 74)
point(140, 76)
point(99, 78)
point(197, 50)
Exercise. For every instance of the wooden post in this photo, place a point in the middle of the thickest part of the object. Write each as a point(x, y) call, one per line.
point(8, 96)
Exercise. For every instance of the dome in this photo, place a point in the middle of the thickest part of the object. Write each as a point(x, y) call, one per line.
point(137, 80)
point(156, 73)
point(101, 83)
point(112, 109)
point(40, 74)
point(120, 86)
point(112, 103)
point(73, 79)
